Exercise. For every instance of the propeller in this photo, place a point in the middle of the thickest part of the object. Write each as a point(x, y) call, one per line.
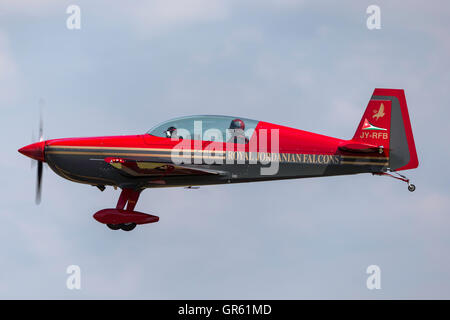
point(36, 151)
point(39, 163)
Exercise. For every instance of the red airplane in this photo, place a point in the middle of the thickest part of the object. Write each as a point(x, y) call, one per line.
point(205, 150)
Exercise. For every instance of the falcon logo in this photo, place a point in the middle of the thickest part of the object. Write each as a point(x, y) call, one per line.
point(367, 126)
point(380, 113)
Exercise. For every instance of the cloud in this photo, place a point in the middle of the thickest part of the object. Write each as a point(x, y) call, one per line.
point(9, 75)
point(30, 8)
point(311, 69)
point(152, 17)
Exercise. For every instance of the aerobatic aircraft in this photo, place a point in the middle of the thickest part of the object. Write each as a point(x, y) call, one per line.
point(195, 151)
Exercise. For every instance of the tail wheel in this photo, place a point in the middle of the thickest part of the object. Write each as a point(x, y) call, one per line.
point(128, 226)
point(398, 176)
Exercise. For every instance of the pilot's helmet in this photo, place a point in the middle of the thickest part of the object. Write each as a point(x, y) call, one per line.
point(170, 131)
point(237, 124)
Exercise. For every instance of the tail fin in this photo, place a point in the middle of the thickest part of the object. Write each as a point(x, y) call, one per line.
point(386, 123)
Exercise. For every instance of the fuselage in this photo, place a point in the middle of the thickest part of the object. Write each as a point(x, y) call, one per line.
point(211, 149)
point(298, 154)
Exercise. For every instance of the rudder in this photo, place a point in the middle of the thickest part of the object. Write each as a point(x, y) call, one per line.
point(386, 123)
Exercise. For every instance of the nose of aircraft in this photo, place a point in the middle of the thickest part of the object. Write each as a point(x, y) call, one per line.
point(34, 151)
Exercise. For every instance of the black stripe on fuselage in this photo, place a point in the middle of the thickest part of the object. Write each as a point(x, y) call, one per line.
point(76, 163)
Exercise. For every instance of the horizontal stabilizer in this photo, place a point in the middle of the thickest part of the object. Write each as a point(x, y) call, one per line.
point(353, 146)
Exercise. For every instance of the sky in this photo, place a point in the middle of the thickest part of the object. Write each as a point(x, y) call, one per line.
point(310, 65)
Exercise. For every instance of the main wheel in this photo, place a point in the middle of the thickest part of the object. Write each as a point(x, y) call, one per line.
point(411, 187)
point(128, 226)
point(113, 226)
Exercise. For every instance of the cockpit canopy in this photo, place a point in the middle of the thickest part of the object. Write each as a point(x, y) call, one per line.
point(207, 128)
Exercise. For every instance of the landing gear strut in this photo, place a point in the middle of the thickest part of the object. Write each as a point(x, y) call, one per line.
point(123, 218)
point(130, 198)
point(398, 176)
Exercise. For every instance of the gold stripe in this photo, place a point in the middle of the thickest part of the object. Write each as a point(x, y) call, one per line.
point(363, 157)
point(136, 149)
point(105, 148)
point(131, 154)
point(357, 162)
point(190, 150)
point(366, 163)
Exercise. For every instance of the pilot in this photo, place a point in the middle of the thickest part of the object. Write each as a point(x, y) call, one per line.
point(237, 127)
point(171, 132)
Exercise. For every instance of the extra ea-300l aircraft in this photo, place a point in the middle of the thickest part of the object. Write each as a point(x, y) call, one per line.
point(205, 150)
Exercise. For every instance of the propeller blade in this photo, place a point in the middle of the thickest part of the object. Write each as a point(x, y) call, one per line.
point(41, 128)
point(39, 182)
point(40, 164)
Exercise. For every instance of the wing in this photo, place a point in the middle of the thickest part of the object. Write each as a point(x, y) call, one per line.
point(144, 168)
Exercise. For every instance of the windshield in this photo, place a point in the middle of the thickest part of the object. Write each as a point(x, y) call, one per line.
point(208, 128)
